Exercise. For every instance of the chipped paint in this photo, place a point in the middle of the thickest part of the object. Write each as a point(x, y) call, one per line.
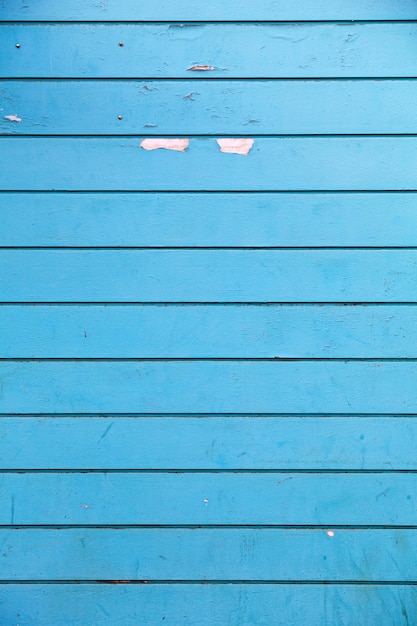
point(236, 146)
point(201, 68)
point(330, 533)
point(13, 118)
point(180, 145)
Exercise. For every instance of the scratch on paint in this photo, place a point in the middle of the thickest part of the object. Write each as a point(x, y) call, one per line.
point(106, 431)
point(12, 511)
point(201, 68)
point(180, 145)
point(236, 146)
point(284, 480)
point(13, 118)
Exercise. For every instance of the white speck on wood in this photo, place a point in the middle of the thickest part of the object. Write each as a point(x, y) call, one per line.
point(13, 118)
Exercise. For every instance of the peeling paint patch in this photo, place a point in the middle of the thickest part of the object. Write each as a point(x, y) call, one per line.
point(13, 118)
point(236, 146)
point(201, 68)
point(180, 145)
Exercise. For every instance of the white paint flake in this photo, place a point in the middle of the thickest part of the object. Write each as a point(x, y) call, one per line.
point(180, 145)
point(236, 146)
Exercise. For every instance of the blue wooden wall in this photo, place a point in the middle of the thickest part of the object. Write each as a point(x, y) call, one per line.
point(209, 326)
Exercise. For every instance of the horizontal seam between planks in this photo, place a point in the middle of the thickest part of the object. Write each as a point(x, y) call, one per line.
point(191, 136)
point(351, 22)
point(190, 248)
point(203, 304)
point(208, 79)
point(104, 136)
point(208, 471)
point(205, 582)
point(112, 415)
point(138, 305)
point(200, 79)
point(206, 191)
point(208, 22)
point(197, 526)
point(273, 359)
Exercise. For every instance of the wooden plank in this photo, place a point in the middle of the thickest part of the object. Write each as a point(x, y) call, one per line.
point(273, 164)
point(169, 50)
point(209, 443)
point(183, 10)
point(176, 499)
point(189, 331)
point(208, 605)
point(215, 219)
point(208, 387)
point(209, 554)
point(208, 276)
point(93, 107)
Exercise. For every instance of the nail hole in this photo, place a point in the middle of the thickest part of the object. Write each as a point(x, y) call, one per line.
point(121, 44)
point(119, 117)
point(18, 45)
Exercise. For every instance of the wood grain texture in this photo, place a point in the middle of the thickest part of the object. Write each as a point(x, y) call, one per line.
point(215, 219)
point(93, 107)
point(209, 443)
point(208, 276)
point(273, 164)
point(208, 387)
point(234, 50)
point(184, 10)
point(240, 554)
point(190, 331)
point(208, 605)
point(254, 499)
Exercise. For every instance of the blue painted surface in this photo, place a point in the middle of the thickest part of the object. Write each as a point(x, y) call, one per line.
point(183, 10)
point(216, 107)
point(203, 331)
point(209, 498)
point(209, 366)
point(196, 442)
point(273, 164)
point(224, 605)
point(209, 275)
point(248, 50)
point(215, 219)
point(311, 164)
point(210, 554)
point(211, 386)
